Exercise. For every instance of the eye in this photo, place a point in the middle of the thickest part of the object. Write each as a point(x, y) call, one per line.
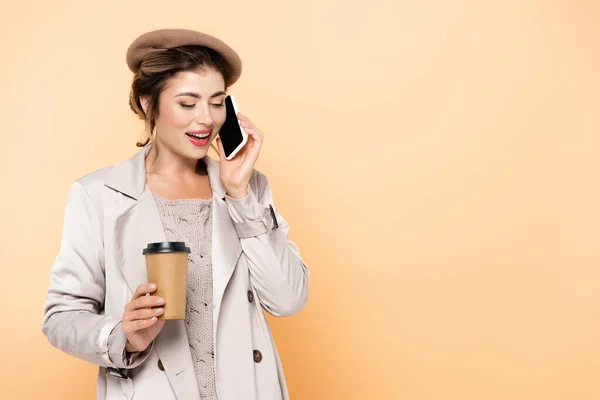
point(218, 105)
point(187, 105)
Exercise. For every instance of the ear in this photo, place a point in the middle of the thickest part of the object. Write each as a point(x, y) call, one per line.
point(144, 101)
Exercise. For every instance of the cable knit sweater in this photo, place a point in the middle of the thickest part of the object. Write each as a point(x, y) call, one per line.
point(190, 221)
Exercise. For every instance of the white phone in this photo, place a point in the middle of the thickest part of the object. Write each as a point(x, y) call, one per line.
point(233, 137)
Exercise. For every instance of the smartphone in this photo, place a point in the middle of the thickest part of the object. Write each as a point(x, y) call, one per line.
point(232, 135)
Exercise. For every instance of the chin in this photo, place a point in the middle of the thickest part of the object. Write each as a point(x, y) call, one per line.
point(197, 153)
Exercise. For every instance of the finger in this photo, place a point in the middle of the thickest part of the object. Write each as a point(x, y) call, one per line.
point(144, 313)
point(243, 118)
point(146, 302)
point(140, 291)
point(143, 289)
point(246, 123)
point(256, 138)
point(221, 151)
point(248, 127)
point(130, 327)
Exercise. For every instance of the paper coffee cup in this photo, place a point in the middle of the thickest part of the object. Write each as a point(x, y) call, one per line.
point(167, 267)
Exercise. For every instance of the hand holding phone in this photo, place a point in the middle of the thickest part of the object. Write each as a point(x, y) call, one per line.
point(238, 157)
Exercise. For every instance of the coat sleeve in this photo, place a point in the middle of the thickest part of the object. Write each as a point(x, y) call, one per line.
point(73, 313)
point(277, 272)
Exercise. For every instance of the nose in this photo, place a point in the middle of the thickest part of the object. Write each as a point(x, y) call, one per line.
point(204, 116)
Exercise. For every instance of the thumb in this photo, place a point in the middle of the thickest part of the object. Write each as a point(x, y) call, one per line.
point(221, 151)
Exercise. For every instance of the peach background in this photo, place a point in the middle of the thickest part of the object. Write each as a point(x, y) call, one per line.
point(437, 161)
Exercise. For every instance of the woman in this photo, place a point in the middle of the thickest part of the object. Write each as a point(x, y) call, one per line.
point(100, 307)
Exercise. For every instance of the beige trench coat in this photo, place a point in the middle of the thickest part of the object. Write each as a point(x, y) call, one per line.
point(110, 217)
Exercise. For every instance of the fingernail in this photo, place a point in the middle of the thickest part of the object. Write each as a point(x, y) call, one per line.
point(160, 301)
point(153, 318)
point(158, 310)
point(152, 286)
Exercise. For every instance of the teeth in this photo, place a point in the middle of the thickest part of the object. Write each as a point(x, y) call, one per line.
point(199, 136)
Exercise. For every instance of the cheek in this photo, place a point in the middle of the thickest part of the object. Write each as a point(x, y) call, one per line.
point(175, 117)
point(219, 119)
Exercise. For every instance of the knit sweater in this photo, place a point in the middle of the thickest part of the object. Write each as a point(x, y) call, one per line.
point(190, 221)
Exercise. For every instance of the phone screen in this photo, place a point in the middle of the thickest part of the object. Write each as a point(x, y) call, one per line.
point(230, 133)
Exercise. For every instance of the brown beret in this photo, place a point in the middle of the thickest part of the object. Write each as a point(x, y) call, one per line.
point(164, 39)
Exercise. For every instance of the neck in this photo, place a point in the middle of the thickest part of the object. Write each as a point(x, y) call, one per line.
point(164, 162)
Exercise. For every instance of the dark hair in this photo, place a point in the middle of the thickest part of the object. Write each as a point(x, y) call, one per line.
point(155, 70)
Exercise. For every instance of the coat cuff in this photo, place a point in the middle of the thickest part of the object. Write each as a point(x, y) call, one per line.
point(246, 209)
point(250, 217)
point(118, 356)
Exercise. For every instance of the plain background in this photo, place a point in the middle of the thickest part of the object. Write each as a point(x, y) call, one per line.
point(437, 161)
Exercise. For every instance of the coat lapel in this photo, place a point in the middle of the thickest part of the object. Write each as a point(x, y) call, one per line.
point(226, 248)
point(136, 227)
point(137, 222)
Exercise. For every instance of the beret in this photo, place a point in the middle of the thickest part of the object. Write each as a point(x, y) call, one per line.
point(164, 39)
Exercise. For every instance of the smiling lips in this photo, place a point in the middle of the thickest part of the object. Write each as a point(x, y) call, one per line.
point(199, 138)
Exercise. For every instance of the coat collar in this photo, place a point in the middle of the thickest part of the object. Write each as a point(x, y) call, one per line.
point(129, 176)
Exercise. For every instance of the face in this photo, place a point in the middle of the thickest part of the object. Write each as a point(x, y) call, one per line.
point(191, 112)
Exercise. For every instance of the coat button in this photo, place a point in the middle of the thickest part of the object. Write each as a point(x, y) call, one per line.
point(250, 296)
point(257, 356)
point(160, 366)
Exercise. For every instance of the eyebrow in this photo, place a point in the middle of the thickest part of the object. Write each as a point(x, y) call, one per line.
point(197, 96)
